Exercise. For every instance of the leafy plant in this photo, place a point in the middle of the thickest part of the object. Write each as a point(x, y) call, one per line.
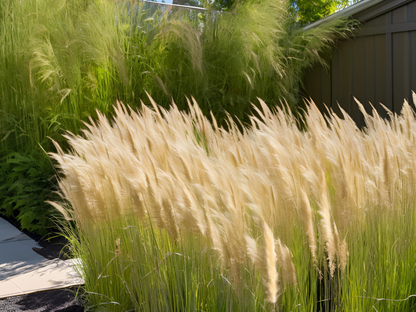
point(25, 185)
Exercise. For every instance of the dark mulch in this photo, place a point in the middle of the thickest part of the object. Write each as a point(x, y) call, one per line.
point(54, 248)
point(61, 300)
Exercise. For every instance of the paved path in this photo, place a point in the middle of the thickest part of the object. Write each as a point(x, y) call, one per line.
point(23, 271)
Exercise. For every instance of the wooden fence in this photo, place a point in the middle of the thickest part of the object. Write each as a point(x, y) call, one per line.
point(377, 65)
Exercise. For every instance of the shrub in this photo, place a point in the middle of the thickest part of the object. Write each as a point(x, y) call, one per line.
point(26, 183)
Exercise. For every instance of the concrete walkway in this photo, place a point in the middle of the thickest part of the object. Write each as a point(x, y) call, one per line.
point(23, 271)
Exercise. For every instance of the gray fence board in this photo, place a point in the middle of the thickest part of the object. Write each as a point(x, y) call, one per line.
point(412, 11)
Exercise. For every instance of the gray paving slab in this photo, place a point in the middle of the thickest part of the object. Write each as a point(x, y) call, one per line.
point(52, 274)
point(16, 268)
point(24, 271)
point(8, 231)
point(18, 251)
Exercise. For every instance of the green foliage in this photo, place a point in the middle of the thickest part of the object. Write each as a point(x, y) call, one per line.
point(25, 185)
point(306, 11)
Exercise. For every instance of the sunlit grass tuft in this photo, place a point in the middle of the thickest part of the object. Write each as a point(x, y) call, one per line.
point(321, 219)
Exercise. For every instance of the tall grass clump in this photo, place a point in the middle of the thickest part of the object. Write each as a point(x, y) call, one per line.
point(255, 50)
point(60, 60)
point(173, 212)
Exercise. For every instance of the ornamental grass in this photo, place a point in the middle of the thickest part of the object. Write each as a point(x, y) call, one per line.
point(175, 213)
